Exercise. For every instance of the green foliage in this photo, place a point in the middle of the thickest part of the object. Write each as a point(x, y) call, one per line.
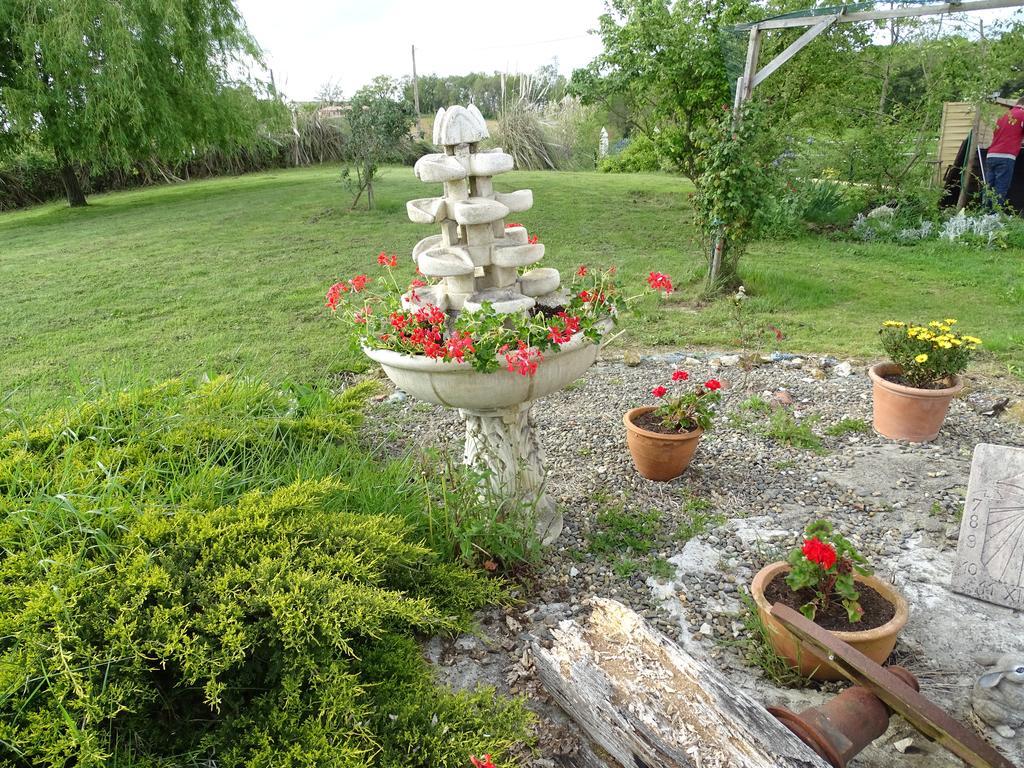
point(640, 155)
point(691, 409)
point(122, 82)
point(662, 569)
point(379, 120)
point(698, 518)
point(758, 651)
point(622, 530)
point(460, 525)
point(826, 564)
point(663, 63)
point(848, 426)
point(733, 187)
point(928, 355)
point(785, 428)
point(217, 572)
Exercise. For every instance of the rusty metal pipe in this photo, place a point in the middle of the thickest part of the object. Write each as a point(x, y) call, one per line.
point(840, 728)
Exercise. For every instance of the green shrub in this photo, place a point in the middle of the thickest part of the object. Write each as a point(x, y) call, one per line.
point(640, 155)
point(217, 574)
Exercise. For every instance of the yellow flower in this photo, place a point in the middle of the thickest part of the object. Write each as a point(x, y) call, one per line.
point(945, 328)
point(922, 358)
point(950, 321)
point(935, 324)
point(972, 339)
point(893, 324)
point(945, 345)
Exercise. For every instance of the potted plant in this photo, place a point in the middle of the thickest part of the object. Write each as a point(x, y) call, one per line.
point(662, 439)
point(912, 392)
point(828, 581)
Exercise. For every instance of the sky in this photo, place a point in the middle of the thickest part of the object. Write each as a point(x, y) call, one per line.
point(308, 42)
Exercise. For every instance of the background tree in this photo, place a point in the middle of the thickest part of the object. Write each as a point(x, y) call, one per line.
point(379, 121)
point(664, 62)
point(103, 84)
point(330, 93)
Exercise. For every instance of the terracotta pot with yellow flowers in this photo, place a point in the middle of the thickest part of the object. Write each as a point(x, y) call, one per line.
point(913, 391)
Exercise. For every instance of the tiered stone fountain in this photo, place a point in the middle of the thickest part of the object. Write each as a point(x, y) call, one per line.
point(476, 260)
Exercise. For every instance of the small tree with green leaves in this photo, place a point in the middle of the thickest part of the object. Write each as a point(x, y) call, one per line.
point(733, 185)
point(379, 120)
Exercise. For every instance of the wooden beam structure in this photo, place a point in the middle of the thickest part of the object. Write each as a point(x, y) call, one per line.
point(792, 50)
point(891, 13)
point(752, 76)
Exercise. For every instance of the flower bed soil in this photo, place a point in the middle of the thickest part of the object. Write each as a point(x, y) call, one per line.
point(652, 423)
point(898, 379)
point(877, 610)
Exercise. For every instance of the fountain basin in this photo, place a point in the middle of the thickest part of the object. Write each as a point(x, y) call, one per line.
point(458, 385)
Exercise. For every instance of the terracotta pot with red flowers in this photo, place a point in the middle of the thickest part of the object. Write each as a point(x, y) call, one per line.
point(828, 581)
point(662, 439)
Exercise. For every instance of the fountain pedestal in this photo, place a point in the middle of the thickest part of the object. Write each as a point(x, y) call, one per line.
point(503, 446)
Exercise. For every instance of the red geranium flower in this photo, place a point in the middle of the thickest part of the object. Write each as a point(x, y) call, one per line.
point(582, 271)
point(680, 376)
point(362, 315)
point(523, 360)
point(819, 552)
point(713, 384)
point(533, 239)
point(334, 295)
point(387, 261)
point(659, 391)
point(430, 314)
point(660, 282)
point(359, 282)
point(510, 224)
point(417, 283)
point(484, 762)
point(458, 345)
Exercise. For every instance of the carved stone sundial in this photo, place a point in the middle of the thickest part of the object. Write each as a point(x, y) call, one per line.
point(990, 552)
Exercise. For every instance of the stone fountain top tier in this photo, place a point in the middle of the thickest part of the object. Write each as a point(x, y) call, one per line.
point(476, 258)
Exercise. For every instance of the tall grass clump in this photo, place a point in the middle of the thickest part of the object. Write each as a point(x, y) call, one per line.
point(216, 574)
point(522, 132)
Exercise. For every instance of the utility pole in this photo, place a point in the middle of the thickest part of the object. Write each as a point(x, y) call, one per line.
point(416, 93)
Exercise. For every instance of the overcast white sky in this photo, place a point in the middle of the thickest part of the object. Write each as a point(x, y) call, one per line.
point(308, 42)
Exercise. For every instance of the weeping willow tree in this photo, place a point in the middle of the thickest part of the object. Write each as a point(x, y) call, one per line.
point(106, 84)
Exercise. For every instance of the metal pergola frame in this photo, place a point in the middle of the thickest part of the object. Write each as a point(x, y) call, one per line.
point(753, 77)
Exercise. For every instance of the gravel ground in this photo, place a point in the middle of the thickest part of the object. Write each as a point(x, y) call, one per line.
point(741, 503)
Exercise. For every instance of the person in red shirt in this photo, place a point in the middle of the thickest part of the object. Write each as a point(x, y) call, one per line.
point(1002, 153)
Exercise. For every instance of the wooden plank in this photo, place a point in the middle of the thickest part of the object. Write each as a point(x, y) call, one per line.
point(651, 705)
point(792, 50)
point(891, 13)
point(750, 66)
point(897, 695)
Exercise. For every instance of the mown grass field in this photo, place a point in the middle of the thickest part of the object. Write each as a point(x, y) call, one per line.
point(229, 274)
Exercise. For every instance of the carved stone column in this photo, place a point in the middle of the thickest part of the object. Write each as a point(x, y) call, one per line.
point(503, 446)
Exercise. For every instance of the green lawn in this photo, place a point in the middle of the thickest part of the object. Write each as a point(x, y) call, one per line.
point(229, 274)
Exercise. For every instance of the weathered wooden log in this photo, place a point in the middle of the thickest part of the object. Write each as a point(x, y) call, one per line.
point(651, 705)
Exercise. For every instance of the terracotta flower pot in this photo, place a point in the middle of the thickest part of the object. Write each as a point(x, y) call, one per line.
point(659, 456)
point(906, 413)
point(876, 643)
